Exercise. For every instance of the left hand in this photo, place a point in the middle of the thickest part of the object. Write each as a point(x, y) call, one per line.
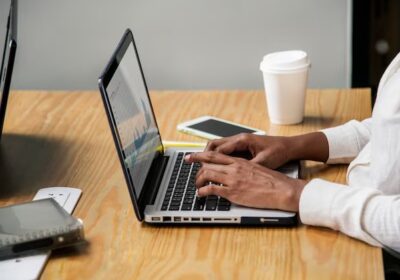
point(246, 183)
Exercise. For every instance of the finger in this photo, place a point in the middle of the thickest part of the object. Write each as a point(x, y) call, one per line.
point(209, 175)
point(213, 144)
point(213, 190)
point(216, 167)
point(227, 147)
point(223, 169)
point(209, 157)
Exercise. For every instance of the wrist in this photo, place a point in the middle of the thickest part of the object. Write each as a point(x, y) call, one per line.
point(297, 187)
point(311, 146)
point(295, 147)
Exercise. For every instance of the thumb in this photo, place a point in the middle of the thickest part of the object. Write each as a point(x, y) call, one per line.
point(259, 158)
point(264, 159)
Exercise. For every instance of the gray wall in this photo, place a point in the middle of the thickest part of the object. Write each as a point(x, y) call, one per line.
point(183, 44)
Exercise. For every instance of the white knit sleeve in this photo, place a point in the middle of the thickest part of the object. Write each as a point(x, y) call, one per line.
point(363, 213)
point(347, 140)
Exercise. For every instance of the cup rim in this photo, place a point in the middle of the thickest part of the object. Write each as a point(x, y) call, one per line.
point(285, 61)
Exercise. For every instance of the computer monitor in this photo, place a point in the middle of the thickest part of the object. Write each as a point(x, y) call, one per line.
point(7, 63)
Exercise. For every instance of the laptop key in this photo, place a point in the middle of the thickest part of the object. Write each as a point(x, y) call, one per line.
point(198, 207)
point(186, 207)
point(199, 204)
point(211, 205)
point(224, 207)
point(224, 203)
point(164, 208)
point(165, 203)
point(173, 208)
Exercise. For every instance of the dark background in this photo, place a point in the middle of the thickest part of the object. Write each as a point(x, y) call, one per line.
point(376, 40)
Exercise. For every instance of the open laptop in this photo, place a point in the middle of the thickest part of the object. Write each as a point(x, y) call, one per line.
point(7, 63)
point(161, 184)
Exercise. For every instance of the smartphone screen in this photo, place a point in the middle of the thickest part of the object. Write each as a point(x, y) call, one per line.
point(219, 128)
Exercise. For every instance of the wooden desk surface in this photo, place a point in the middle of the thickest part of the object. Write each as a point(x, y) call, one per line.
point(64, 140)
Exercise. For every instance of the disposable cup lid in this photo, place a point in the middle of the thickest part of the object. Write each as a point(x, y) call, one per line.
point(285, 61)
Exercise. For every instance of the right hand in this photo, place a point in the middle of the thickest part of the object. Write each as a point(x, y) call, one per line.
point(269, 151)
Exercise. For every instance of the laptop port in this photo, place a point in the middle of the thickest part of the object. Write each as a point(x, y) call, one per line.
point(196, 219)
point(156, 219)
point(269, 220)
point(177, 219)
point(186, 219)
point(222, 219)
point(207, 219)
point(167, 219)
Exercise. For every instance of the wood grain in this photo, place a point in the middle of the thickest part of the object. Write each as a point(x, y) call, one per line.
point(63, 139)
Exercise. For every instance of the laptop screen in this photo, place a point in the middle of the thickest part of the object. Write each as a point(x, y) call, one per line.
point(4, 61)
point(134, 120)
point(7, 62)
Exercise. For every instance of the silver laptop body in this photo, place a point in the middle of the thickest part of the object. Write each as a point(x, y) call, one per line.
point(161, 192)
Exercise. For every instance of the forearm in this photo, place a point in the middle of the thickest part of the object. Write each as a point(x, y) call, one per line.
point(310, 146)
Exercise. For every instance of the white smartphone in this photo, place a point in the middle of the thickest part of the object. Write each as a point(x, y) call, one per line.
point(214, 128)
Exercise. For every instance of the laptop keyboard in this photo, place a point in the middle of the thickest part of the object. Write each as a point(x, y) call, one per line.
point(181, 190)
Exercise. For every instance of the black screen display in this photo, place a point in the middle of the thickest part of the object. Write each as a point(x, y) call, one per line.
point(4, 64)
point(219, 128)
point(133, 116)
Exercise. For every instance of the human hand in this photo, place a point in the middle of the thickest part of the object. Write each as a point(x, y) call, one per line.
point(246, 183)
point(269, 151)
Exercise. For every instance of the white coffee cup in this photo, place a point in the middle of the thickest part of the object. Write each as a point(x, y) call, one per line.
point(285, 80)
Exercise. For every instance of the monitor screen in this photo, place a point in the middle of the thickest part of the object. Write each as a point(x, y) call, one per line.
point(134, 120)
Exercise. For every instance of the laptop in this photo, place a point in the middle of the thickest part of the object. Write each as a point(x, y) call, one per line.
point(7, 63)
point(161, 184)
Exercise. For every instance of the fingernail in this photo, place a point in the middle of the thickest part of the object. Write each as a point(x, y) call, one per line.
point(187, 157)
point(197, 193)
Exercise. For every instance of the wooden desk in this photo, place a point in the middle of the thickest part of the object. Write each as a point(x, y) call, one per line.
point(60, 139)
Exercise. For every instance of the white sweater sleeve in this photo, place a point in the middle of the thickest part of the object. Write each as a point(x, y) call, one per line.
point(363, 213)
point(347, 140)
point(367, 210)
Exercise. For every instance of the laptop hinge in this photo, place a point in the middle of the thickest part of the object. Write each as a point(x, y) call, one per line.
point(153, 181)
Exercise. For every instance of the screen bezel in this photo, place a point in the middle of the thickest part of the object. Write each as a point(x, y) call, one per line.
point(103, 83)
point(12, 26)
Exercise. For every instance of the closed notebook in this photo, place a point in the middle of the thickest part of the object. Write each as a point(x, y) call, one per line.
point(41, 224)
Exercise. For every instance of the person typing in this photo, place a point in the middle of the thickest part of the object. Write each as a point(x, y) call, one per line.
point(367, 209)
